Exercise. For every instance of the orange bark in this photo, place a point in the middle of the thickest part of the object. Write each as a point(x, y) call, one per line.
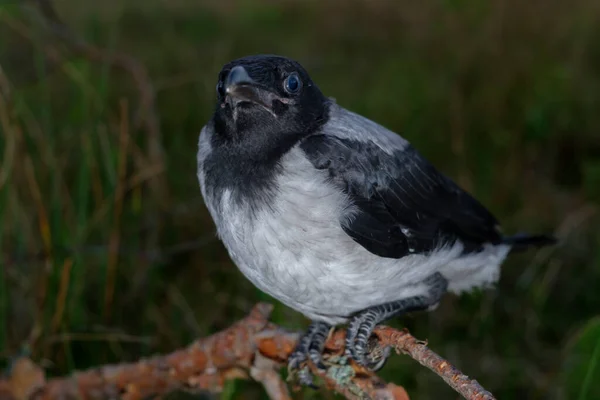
point(251, 348)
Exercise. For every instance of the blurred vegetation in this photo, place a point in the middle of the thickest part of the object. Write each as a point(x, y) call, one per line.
point(108, 253)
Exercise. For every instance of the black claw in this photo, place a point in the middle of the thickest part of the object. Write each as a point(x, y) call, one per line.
point(351, 334)
point(316, 346)
point(317, 360)
point(300, 372)
point(360, 343)
point(310, 346)
point(296, 360)
point(305, 378)
point(358, 334)
point(376, 355)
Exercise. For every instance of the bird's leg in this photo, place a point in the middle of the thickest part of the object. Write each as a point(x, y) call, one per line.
point(362, 325)
point(311, 346)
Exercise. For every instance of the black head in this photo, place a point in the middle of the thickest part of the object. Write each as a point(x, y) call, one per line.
point(267, 102)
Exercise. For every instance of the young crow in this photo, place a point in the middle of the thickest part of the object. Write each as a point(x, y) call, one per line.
point(334, 215)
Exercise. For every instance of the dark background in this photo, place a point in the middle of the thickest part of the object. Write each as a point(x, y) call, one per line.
point(108, 253)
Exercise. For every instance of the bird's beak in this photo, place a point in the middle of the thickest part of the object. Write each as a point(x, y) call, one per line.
point(240, 87)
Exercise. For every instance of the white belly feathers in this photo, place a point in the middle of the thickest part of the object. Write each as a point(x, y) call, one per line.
point(296, 250)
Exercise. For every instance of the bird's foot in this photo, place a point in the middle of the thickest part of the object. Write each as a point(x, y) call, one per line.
point(358, 336)
point(365, 349)
point(376, 354)
point(309, 347)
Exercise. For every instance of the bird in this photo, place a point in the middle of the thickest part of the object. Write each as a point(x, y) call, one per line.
point(333, 214)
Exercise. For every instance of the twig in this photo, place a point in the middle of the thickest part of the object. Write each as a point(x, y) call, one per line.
point(264, 371)
point(115, 235)
point(253, 347)
point(404, 342)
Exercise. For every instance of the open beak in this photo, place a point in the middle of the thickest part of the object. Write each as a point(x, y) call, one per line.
point(240, 87)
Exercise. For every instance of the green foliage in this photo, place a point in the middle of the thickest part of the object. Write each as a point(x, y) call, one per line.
point(503, 97)
point(581, 368)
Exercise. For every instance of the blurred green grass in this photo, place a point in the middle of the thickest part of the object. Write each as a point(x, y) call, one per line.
point(108, 253)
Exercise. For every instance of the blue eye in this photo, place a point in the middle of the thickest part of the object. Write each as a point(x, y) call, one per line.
point(292, 83)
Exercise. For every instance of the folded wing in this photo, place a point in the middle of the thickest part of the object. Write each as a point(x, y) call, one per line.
point(402, 204)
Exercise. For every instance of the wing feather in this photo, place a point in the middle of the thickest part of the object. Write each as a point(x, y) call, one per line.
point(404, 205)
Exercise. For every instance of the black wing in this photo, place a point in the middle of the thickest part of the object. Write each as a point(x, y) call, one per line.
point(404, 205)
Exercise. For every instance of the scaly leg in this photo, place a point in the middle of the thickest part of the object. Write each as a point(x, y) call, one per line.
point(362, 325)
point(310, 345)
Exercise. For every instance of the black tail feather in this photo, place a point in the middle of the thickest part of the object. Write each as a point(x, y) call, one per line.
point(524, 241)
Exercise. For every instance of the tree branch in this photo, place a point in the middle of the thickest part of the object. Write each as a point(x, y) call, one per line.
point(251, 348)
point(404, 342)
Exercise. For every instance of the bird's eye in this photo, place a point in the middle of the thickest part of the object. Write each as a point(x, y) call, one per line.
point(292, 83)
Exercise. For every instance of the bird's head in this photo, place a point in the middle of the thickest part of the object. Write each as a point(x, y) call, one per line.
point(266, 97)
